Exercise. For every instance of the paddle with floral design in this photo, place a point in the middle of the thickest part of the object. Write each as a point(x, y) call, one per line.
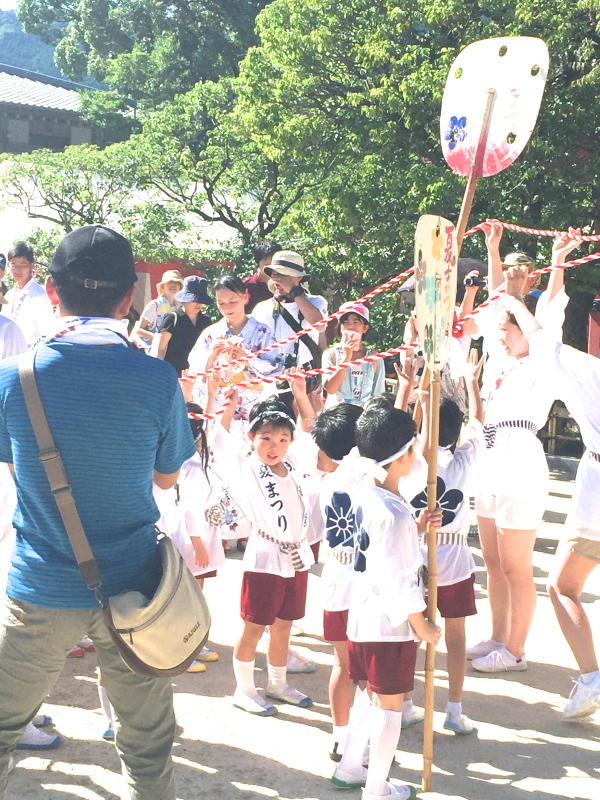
point(490, 106)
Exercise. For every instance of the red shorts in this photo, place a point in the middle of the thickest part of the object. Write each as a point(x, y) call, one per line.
point(315, 548)
point(389, 667)
point(266, 597)
point(334, 626)
point(212, 574)
point(458, 599)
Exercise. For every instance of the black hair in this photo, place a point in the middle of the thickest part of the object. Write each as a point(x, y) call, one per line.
point(21, 250)
point(382, 430)
point(272, 411)
point(100, 302)
point(264, 250)
point(229, 281)
point(451, 421)
point(199, 433)
point(530, 302)
point(335, 428)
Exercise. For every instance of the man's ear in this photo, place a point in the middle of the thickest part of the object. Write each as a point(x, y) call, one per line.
point(51, 291)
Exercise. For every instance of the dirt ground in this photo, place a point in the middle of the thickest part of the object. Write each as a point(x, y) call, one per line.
point(524, 750)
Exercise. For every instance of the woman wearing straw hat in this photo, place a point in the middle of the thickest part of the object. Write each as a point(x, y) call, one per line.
point(152, 316)
point(179, 331)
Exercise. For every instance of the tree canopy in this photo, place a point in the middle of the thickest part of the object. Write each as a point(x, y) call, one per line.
point(147, 50)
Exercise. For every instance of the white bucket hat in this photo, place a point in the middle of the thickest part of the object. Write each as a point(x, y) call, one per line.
point(287, 263)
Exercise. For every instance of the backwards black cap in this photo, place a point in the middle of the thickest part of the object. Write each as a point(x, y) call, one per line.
point(96, 257)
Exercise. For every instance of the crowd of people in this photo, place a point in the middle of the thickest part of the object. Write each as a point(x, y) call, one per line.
point(228, 442)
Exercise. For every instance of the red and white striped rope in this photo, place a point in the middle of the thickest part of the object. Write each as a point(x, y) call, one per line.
point(591, 237)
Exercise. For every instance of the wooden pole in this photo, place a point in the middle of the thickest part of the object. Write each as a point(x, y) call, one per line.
point(475, 174)
point(434, 428)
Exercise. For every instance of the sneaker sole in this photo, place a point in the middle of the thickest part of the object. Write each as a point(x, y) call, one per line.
point(58, 741)
point(304, 671)
point(583, 714)
point(410, 722)
point(459, 731)
point(269, 711)
point(340, 784)
point(496, 671)
point(305, 703)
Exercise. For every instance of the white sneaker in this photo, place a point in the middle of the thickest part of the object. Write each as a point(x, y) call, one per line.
point(343, 779)
point(296, 630)
point(500, 661)
point(289, 695)
point(35, 739)
point(584, 698)
point(412, 717)
point(483, 648)
point(460, 724)
point(297, 664)
point(253, 704)
point(393, 791)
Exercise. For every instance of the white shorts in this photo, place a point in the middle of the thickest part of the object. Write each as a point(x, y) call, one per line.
point(514, 513)
point(513, 481)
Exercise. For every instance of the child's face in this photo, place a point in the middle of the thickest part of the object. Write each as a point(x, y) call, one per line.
point(271, 444)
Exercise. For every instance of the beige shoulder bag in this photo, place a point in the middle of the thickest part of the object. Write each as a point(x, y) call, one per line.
point(159, 637)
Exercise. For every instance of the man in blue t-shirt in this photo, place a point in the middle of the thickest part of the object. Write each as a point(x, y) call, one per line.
point(118, 419)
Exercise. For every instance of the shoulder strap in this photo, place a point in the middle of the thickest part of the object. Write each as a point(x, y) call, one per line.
point(315, 350)
point(55, 470)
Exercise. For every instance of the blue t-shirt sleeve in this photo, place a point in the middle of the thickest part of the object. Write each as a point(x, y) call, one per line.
point(176, 443)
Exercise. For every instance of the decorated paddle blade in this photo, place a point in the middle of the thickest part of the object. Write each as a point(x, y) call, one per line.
point(515, 67)
point(436, 258)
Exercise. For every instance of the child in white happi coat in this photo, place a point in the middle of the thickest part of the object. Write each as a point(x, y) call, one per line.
point(456, 568)
point(277, 557)
point(334, 432)
point(577, 378)
point(385, 618)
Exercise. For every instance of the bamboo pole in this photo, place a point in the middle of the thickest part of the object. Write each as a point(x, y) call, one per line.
point(434, 427)
point(475, 174)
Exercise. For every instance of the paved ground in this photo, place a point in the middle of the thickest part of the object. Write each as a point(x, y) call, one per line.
point(523, 751)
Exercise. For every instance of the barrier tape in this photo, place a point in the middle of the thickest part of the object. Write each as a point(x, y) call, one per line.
point(592, 237)
point(369, 296)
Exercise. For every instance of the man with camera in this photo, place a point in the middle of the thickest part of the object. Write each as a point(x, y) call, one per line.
point(293, 309)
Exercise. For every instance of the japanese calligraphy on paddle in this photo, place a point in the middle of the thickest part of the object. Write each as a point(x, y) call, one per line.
point(436, 260)
point(490, 106)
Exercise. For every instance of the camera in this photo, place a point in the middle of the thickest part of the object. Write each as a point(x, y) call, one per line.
point(312, 382)
point(475, 281)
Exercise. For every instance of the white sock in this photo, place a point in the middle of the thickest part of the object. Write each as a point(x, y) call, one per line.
point(357, 735)
point(454, 709)
point(107, 709)
point(588, 677)
point(277, 677)
point(407, 705)
point(244, 676)
point(385, 729)
point(339, 736)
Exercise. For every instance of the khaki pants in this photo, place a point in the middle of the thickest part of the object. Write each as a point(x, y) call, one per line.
point(34, 643)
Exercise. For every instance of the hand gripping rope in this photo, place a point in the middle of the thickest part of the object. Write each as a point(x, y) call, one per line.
point(378, 290)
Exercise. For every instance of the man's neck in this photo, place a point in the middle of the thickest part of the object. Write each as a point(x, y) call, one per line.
point(22, 284)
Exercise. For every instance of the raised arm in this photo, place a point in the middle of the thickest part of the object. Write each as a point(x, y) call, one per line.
point(516, 283)
point(563, 245)
point(472, 373)
point(493, 235)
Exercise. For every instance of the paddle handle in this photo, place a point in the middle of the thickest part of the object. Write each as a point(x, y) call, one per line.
point(476, 169)
point(434, 429)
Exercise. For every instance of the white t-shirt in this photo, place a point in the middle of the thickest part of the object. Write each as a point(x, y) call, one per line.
point(265, 312)
point(576, 377)
point(31, 309)
point(386, 589)
point(12, 341)
point(455, 488)
point(337, 492)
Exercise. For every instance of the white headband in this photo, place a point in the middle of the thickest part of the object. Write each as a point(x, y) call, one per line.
point(360, 466)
